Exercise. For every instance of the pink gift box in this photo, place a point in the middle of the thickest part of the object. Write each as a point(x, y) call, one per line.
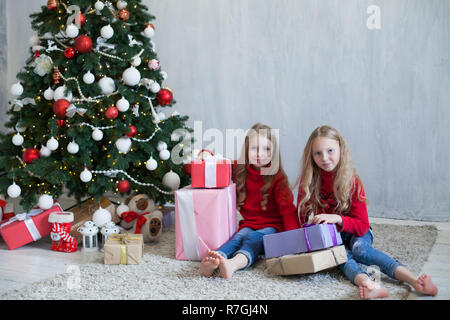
point(211, 173)
point(27, 227)
point(204, 219)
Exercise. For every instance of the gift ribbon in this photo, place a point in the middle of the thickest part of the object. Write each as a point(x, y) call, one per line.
point(129, 216)
point(124, 241)
point(26, 217)
point(330, 229)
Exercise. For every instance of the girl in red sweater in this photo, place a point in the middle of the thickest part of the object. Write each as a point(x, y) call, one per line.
point(263, 198)
point(332, 191)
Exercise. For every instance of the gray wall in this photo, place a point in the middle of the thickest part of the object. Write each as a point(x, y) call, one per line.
point(297, 64)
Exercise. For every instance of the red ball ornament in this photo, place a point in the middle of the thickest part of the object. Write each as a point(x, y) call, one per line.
point(52, 4)
point(133, 131)
point(30, 155)
point(124, 14)
point(83, 44)
point(80, 19)
point(59, 108)
point(111, 112)
point(164, 97)
point(123, 186)
point(70, 53)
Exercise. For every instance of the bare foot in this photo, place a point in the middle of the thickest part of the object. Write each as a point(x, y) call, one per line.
point(425, 285)
point(209, 264)
point(372, 290)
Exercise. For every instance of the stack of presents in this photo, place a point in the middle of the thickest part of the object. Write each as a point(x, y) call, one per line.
point(204, 216)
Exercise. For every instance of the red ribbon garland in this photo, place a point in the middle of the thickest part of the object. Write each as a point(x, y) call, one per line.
point(129, 216)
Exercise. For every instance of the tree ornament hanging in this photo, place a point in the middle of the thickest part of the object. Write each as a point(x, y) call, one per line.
point(86, 175)
point(17, 139)
point(107, 85)
point(153, 65)
point(14, 190)
point(72, 31)
point(131, 76)
point(151, 164)
point(164, 97)
point(45, 202)
point(59, 108)
point(16, 89)
point(30, 154)
point(45, 152)
point(149, 30)
point(171, 180)
point(73, 147)
point(97, 135)
point(70, 53)
point(80, 19)
point(52, 144)
point(124, 14)
point(83, 44)
point(107, 32)
point(88, 78)
point(49, 94)
point(99, 5)
point(52, 4)
point(123, 144)
point(133, 131)
point(164, 155)
point(123, 186)
point(122, 105)
point(111, 112)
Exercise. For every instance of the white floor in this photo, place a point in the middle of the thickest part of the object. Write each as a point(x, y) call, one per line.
point(36, 261)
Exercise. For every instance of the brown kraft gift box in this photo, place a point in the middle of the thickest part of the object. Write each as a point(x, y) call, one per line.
point(304, 263)
point(85, 212)
point(124, 248)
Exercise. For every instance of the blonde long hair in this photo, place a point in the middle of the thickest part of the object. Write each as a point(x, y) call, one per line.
point(310, 177)
point(269, 172)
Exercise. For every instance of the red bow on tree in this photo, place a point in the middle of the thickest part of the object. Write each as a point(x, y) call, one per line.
point(129, 216)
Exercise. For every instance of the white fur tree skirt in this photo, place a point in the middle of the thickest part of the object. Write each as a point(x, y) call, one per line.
point(161, 276)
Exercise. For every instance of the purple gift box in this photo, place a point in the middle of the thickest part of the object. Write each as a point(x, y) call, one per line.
point(310, 238)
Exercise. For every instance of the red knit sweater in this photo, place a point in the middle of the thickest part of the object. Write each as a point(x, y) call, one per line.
point(280, 211)
point(355, 221)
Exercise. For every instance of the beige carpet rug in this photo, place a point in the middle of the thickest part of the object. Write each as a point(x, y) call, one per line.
point(160, 276)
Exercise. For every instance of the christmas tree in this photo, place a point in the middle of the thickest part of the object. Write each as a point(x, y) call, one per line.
point(87, 115)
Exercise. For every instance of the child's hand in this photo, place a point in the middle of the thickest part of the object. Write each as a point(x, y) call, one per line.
point(327, 218)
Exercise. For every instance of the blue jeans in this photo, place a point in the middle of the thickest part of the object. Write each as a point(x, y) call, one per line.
point(247, 241)
point(360, 250)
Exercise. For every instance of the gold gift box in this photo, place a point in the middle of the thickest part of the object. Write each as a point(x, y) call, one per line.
point(304, 263)
point(124, 248)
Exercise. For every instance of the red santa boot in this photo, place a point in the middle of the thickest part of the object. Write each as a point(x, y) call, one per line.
point(60, 233)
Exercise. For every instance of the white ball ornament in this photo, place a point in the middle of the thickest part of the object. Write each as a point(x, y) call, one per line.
point(73, 147)
point(131, 76)
point(16, 89)
point(49, 94)
point(45, 202)
point(107, 32)
point(161, 146)
point(151, 164)
point(123, 144)
point(97, 134)
point(136, 62)
point(45, 152)
point(107, 85)
point(99, 5)
point(164, 154)
point(20, 129)
point(149, 32)
point(72, 31)
point(17, 139)
point(85, 175)
point(101, 217)
point(14, 191)
point(60, 93)
point(171, 180)
point(121, 4)
point(122, 105)
point(52, 144)
point(163, 74)
point(88, 78)
point(155, 87)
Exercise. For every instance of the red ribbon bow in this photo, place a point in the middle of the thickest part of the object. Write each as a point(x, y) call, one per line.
point(129, 216)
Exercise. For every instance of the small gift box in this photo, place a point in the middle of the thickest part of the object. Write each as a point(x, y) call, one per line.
point(310, 238)
point(27, 227)
point(86, 211)
point(204, 219)
point(124, 249)
point(210, 172)
point(304, 263)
